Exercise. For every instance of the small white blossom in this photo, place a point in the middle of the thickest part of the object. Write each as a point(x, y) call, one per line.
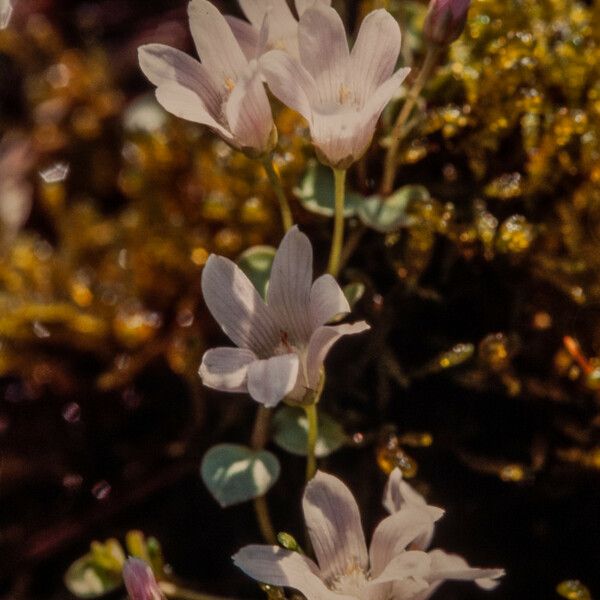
point(282, 25)
point(140, 581)
point(281, 343)
point(392, 568)
point(340, 93)
point(224, 92)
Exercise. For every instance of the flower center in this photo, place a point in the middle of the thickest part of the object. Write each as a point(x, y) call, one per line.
point(351, 582)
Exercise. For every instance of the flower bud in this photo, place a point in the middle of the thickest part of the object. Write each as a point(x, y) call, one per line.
point(140, 581)
point(445, 21)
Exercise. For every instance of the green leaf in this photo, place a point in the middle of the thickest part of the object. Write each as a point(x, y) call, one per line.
point(387, 214)
point(290, 428)
point(86, 579)
point(256, 263)
point(354, 292)
point(234, 474)
point(317, 192)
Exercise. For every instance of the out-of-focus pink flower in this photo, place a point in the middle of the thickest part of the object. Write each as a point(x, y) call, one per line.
point(225, 92)
point(5, 13)
point(15, 191)
point(282, 343)
point(445, 21)
point(140, 581)
point(340, 93)
point(282, 28)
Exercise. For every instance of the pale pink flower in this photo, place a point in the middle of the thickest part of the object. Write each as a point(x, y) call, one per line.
point(140, 581)
point(281, 343)
point(345, 569)
point(282, 25)
point(16, 193)
point(5, 13)
point(394, 567)
point(399, 496)
point(225, 92)
point(445, 21)
point(340, 93)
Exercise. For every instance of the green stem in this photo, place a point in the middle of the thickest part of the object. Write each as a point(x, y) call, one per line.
point(339, 176)
point(284, 207)
point(311, 444)
point(391, 158)
point(259, 439)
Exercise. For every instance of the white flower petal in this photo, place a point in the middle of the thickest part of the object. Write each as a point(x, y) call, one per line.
point(162, 64)
point(395, 533)
point(248, 111)
point(324, 50)
point(289, 81)
point(217, 47)
point(226, 369)
point(276, 566)
point(246, 35)
point(140, 581)
point(238, 308)
point(382, 95)
point(321, 342)
point(446, 566)
point(374, 54)
point(303, 5)
point(399, 494)
point(413, 563)
point(288, 295)
point(334, 525)
point(185, 104)
point(326, 301)
point(270, 380)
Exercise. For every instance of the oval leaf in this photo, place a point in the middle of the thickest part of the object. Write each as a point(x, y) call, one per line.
point(234, 474)
point(317, 192)
point(85, 579)
point(290, 428)
point(256, 262)
point(387, 214)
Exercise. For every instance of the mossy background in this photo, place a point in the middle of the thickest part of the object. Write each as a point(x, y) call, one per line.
point(485, 309)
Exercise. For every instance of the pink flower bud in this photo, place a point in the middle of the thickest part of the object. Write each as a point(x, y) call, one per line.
point(140, 582)
point(445, 21)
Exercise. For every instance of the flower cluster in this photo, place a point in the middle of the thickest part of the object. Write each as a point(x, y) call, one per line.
point(306, 64)
point(396, 564)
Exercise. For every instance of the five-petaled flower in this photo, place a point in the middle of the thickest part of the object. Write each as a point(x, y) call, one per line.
point(340, 93)
point(225, 92)
point(282, 32)
point(281, 343)
point(346, 570)
point(140, 581)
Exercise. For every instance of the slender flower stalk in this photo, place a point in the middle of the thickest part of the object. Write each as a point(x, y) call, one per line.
point(286, 213)
point(282, 343)
point(337, 242)
point(312, 417)
point(391, 158)
point(260, 437)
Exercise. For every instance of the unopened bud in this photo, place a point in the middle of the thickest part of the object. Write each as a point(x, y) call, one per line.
point(445, 21)
point(140, 581)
